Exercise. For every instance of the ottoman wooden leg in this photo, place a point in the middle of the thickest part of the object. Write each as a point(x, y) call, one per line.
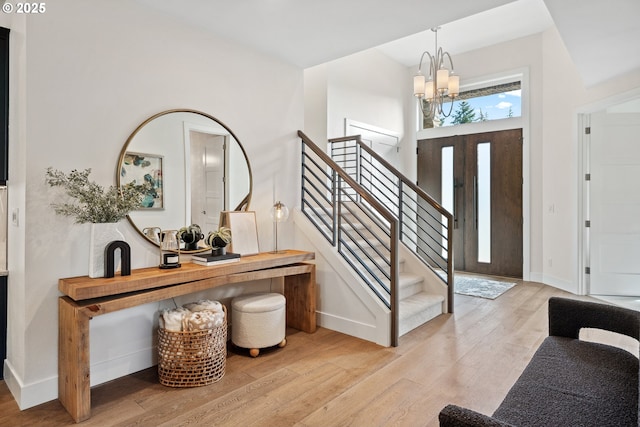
point(254, 352)
point(282, 343)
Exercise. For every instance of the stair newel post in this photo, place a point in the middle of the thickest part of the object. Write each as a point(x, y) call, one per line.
point(400, 220)
point(337, 205)
point(450, 263)
point(302, 169)
point(395, 301)
point(358, 153)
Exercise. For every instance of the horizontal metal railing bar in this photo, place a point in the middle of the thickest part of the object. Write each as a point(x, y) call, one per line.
point(368, 213)
point(420, 208)
point(325, 188)
point(408, 183)
point(319, 216)
point(317, 203)
point(366, 267)
point(326, 235)
point(364, 238)
point(318, 167)
point(381, 193)
point(422, 220)
point(367, 254)
point(381, 172)
point(423, 244)
point(357, 230)
point(381, 297)
point(426, 242)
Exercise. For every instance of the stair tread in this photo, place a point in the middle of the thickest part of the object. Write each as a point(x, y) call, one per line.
point(417, 302)
point(409, 279)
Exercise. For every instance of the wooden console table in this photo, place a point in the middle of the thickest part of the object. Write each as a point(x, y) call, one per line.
point(85, 298)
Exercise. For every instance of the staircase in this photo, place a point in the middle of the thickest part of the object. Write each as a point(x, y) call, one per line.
point(393, 237)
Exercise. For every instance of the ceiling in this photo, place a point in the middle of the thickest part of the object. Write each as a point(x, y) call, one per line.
point(310, 32)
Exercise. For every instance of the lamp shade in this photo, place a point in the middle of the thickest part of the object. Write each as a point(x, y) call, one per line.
point(428, 90)
point(443, 79)
point(418, 85)
point(279, 212)
point(454, 85)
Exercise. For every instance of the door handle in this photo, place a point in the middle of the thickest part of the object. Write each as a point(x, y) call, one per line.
point(475, 202)
point(457, 184)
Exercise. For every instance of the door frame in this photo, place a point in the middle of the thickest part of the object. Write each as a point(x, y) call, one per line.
point(522, 122)
point(583, 120)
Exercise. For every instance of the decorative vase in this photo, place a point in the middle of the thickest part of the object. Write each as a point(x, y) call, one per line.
point(101, 235)
point(219, 250)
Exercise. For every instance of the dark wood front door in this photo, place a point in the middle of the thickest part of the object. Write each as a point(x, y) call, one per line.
point(479, 179)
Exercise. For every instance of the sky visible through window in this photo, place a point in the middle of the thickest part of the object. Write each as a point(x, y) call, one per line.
point(494, 106)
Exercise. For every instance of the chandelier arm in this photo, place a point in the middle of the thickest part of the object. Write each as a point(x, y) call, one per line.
point(428, 112)
point(450, 60)
point(450, 108)
point(422, 59)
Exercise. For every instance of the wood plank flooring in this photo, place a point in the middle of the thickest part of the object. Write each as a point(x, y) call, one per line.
point(470, 358)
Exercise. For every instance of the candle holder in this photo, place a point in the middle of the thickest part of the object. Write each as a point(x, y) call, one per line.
point(169, 249)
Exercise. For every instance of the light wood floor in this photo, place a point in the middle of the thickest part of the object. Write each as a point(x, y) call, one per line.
point(470, 358)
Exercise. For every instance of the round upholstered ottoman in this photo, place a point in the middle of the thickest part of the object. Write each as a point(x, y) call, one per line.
point(258, 321)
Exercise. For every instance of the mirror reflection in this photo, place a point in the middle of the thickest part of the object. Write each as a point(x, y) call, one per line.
point(192, 166)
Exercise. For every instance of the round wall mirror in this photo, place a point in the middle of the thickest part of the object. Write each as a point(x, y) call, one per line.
point(192, 167)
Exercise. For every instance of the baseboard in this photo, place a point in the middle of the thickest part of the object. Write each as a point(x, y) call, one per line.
point(555, 282)
point(349, 327)
point(124, 365)
point(29, 395)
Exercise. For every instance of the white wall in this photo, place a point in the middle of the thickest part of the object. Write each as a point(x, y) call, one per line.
point(563, 96)
point(361, 87)
point(89, 74)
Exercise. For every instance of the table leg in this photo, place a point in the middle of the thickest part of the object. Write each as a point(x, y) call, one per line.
point(73, 360)
point(300, 292)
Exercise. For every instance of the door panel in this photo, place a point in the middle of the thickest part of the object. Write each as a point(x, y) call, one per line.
point(487, 202)
point(614, 204)
point(430, 171)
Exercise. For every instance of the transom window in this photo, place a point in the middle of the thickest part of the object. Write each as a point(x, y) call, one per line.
point(496, 102)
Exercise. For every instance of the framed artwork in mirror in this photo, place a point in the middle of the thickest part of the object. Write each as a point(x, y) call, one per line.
point(144, 170)
point(244, 232)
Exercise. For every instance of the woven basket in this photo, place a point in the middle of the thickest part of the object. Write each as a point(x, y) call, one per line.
point(192, 358)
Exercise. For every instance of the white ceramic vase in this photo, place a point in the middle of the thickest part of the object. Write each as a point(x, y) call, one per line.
point(101, 235)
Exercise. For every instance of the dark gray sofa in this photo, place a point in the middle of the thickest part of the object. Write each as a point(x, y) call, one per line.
point(570, 382)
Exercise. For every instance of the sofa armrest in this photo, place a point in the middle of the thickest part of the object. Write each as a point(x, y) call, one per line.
point(568, 316)
point(457, 416)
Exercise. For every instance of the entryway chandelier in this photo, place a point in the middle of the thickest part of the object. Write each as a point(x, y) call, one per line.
point(442, 85)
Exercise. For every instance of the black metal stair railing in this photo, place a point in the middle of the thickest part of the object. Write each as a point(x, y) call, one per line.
point(364, 231)
point(426, 228)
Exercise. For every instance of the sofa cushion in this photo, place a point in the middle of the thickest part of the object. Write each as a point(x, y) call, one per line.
point(571, 382)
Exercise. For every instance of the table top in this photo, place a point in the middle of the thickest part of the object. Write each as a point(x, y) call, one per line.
point(84, 287)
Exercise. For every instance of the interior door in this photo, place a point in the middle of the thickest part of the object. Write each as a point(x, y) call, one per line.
point(479, 179)
point(207, 178)
point(614, 204)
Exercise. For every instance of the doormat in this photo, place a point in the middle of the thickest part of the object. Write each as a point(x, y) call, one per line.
point(480, 286)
